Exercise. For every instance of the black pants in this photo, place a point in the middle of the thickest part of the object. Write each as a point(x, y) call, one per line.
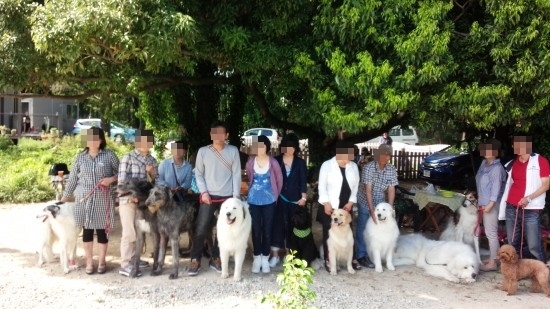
point(203, 228)
point(88, 235)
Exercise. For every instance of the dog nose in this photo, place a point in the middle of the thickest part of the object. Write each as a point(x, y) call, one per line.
point(228, 214)
point(474, 275)
point(335, 219)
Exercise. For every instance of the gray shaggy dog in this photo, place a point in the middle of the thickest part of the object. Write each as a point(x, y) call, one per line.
point(172, 219)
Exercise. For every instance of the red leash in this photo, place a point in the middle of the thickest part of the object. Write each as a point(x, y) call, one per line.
point(105, 190)
point(477, 229)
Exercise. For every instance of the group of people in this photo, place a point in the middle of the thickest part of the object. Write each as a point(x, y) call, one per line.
point(277, 187)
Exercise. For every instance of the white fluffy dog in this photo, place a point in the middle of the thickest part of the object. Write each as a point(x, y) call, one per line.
point(465, 229)
point(58, 225)
point(451, 260)
point(381, 237)
point(233, 229)
point(340, 241)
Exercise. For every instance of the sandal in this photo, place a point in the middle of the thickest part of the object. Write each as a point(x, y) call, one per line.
point(101, 269)
point(484, 267)
point(89, 269)
point(327, 266)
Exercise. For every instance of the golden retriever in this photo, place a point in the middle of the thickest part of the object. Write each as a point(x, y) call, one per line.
point(340, 240)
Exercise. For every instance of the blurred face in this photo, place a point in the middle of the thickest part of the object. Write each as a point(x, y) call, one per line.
point(487, 151)
point(523, 145)
point(382, 157)
point(287, 148)
point(385, 134)
point(178, 150)
point(143, 143)
point(344, 154)
point(218, 134)
point(90, 140)
point(258, 148)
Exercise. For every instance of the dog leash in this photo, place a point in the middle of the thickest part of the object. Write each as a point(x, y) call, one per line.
point(220, 200)
point(514, 232)
point(286, 200)
point(105, 190)
point(477, 229)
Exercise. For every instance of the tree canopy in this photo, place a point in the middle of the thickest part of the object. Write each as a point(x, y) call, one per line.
point(317, 67)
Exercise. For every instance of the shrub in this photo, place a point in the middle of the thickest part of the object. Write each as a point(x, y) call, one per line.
point(294, 292)
point(5, 142)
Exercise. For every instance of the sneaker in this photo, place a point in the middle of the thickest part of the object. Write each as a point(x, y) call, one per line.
point(127, 271)
point(365, 262)
point(274, 261)
point(194, 268)
point(143, 264)
point(355, 265)
point(216, 265)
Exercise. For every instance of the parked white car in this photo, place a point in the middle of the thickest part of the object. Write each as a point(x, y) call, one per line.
point(271, 134)
point(400, 135)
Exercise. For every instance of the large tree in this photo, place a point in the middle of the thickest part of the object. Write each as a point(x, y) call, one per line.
point(317, 67)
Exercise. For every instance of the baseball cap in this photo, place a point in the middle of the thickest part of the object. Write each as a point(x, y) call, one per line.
point(383, 149)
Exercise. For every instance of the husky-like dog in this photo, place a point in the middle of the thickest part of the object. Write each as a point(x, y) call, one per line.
point(172, 219)
point(58, 224)
point(466, 228)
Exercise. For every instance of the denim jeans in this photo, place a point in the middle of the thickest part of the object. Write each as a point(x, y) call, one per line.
point(524, 222)
point(203, 228)
point(262, 225)
point(363, 215)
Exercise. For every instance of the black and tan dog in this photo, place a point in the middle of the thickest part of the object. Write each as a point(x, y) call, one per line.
point(301, 236)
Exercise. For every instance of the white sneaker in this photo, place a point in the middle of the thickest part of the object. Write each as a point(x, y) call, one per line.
point(274, 261)
point(256, 264)
point(265, 264)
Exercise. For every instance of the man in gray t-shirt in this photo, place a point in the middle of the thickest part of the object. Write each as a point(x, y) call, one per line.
point(218, 177)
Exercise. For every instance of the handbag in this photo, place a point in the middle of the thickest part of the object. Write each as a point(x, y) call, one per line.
point(179, 195)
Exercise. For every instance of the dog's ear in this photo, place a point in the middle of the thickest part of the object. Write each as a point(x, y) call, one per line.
point(348, 217)
point(513, 257)
point(244, 210)
point(53, 209)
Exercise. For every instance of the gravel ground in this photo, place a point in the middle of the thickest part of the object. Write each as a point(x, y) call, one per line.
point(24, 285)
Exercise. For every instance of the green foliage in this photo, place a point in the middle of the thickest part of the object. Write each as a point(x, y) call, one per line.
point(294, 282)
point(5, 142)
point(25, 166)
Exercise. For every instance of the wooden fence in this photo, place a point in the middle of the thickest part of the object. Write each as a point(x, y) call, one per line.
point(406, 162)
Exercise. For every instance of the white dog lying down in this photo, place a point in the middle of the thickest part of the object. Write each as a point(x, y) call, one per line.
point(381, 237)
point(233, 229)
point(465, 230)
point(58, 225)
point(451, 260)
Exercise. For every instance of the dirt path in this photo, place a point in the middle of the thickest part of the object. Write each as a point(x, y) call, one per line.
point(24, 285)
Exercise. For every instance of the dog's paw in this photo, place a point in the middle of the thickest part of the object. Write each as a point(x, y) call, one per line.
point(390, 267)
point(236, 278)
point(156, 272)
point(454, 279)
point(173, 276)
point(66, 270)
point(378, 269)
point(225, 275)
point(333, 272)
point(351, 271)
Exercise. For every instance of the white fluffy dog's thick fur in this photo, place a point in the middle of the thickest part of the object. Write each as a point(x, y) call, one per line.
point(233, 229)
point(465, 230)
point(58, 224)
point(381, 237)
point(451, 260)
point(340, 241)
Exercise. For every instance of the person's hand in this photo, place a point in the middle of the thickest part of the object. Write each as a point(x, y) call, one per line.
point(374, 218)
point(206, 198)
point(150, 169)
point(348, 207)
point(523, 202)
point(488, 209)
point(106, 181)
point(328, 209)
point(302, 202)
point(64, 199)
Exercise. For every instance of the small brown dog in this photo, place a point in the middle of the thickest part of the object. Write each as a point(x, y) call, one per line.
point(514, 269)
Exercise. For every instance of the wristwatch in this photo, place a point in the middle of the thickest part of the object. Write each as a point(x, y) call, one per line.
point(528, 199)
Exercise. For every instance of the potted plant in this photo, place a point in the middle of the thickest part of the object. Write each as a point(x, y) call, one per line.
point(13, 131)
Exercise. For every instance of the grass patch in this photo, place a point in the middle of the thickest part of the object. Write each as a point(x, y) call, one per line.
point(25, 166)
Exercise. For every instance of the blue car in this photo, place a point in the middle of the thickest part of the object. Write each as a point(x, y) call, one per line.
point(454, 166)
point(119, 132)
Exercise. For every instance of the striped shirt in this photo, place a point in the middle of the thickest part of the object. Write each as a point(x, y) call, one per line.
point(133, 165)
point(86, 173)
point(380, 180)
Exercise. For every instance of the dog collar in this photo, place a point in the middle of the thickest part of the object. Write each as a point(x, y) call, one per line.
point(301, 233)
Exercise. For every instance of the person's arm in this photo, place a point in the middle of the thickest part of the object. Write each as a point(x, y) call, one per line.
point(199, 172)
point(496, 185)
point(278, 174)
point(73, 180)
point(123, 168)
point(369, 175)
point(391, 188)
point(236, 171)
point(187, 177)
point(115, 163)
point(355, 186)
point(323, 188)
point(161, 180)
point(302, 180)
